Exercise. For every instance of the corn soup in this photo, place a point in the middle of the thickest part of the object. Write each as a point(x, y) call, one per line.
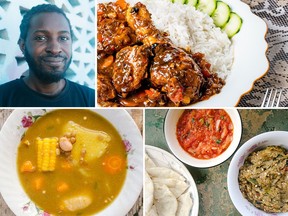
point(72, 162)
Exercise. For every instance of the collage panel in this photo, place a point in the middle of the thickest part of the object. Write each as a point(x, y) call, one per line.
point(195, 154)
point(199, 53)
point(216, 162)
point(47, 53)
point(71, 162)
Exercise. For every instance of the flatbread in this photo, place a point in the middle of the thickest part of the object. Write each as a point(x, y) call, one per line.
point(184, 205)
point(177, 187)
point(148, 193)
point(149, 162)
point(164, 172)
point(153, 211)
point(164, 200)
point(166, 191)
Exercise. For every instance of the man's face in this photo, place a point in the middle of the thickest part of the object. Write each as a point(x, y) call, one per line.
point(48, 47)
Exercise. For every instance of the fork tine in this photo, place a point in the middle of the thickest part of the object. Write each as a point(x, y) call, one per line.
point(270, 92)
point(265, 96)
point(279, 97)
point(272, 98)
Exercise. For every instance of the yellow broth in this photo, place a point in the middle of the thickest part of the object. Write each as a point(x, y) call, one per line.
point(89, 179)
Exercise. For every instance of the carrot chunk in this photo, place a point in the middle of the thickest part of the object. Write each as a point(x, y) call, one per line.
point(38, 183)
point(122, 4)
point(113, 164)
point(27, 166)
point(62, 187)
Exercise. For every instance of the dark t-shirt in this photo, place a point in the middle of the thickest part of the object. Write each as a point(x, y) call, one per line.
point(17, 94)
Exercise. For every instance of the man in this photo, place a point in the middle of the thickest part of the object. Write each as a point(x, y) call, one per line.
point(46, 42)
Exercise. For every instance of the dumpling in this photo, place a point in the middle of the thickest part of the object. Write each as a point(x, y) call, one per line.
point(77, 202)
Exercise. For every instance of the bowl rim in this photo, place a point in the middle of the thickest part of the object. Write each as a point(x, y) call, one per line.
point(213, 161)
point(15, 199)
point(256, 142)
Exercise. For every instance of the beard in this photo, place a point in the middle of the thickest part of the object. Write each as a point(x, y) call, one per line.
point(47, 74)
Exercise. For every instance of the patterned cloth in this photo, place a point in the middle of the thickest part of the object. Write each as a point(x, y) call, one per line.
point(275, 14)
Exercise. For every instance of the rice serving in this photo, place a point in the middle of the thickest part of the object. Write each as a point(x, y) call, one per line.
point(192, 30)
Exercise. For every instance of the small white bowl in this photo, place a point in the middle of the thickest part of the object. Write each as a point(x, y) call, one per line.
point(171, 120)
point(276, 138)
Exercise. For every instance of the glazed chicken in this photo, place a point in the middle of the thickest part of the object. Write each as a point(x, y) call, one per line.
point(172, 69)
point(105, 88)
point(139, 19)
point(177, 74)
point(113, 32)
point(141, 65)
point(130, 68)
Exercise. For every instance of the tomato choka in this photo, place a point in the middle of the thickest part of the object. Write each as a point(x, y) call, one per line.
point(204, 133)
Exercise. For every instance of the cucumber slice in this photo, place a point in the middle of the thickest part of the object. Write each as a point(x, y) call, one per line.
point(221, 14)
point(234, 25)
point(192, 2)
point(179, 1)
point(207, 6)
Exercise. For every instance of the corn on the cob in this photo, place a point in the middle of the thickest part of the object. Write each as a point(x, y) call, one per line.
point(46, 153)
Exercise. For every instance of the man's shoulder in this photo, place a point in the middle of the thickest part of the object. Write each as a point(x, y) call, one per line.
point(81, 87)
point(82, 94)
point(10, 92)
point(10, 85)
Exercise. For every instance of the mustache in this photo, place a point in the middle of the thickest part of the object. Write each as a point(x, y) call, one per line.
point(54, 56)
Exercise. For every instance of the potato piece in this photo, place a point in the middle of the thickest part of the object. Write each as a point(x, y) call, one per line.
point(77, 202)
point(89, 144)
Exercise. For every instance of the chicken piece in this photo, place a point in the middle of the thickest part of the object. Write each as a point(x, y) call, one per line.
point(130, 68)
point(105, 64)
point(175, 72)
point(105, 88)
point(139, 19)
point(111, 10)
point(214, 83)
point(113, 32)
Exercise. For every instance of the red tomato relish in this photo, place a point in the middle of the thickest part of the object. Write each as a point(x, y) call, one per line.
point(204, 133)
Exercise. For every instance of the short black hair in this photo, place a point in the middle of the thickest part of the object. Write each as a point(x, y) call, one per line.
point(43, 8)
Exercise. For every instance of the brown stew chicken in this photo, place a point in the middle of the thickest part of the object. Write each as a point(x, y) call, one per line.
point(139, 66)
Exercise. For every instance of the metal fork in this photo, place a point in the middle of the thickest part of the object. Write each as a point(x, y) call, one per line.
point(272, 97)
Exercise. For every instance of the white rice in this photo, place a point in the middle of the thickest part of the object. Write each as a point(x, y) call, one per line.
point(191, 29)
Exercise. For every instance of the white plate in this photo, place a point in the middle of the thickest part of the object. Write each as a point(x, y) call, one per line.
point(14, 194)
point(250, 61)
point(165, 159)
